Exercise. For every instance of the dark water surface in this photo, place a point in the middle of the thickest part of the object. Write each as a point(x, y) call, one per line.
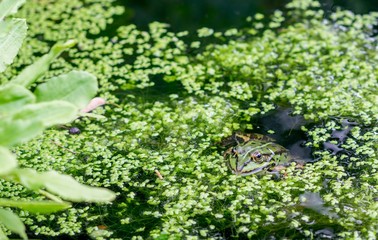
point(287, 131)
point(190, 15)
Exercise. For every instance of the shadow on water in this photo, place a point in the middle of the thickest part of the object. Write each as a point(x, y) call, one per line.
point(161, 91)
point(287, 131)
point(219, 15)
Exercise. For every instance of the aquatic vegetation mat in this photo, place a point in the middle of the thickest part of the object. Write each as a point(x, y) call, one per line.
point(170, 103)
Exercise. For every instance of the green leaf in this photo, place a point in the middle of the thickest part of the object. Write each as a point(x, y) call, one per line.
point(3, 236)
point(48, 113)
point(63, 185)
point(28, 177)
point(12, 222)
point(68, 188)
point(8, 161)
point(14, 132)
point(42, 207)
point(77, 87)
point(33, 72)
point(8, 7)
point(12, 97)
point(12, 34)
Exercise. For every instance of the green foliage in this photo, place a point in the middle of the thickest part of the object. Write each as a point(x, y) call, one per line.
point(75, 87)
point(12, 222)
point(7, 161)
point(22, 118)
point(300, 64)
point(13, 32)
point(324, 68)
point(8, 7)
point(36, 206)
point(35, 71)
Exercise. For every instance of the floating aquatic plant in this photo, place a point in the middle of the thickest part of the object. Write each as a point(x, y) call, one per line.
point(168, 110)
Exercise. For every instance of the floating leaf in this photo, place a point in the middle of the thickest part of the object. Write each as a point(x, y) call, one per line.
point(12, 222)
point(12, 34)
point(76, 87)
point(8, 161)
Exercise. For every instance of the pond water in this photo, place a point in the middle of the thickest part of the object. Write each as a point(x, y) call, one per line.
point(220, 15)
point(173, 129)
point(287, 131)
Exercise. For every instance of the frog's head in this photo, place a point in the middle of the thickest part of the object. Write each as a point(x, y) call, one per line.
point(254, 156)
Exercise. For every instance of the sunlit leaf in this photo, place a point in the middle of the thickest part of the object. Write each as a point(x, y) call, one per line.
point(12, 97)
point(33, 72)
point(76, 87)
point(49, 113)
point(68, 188)
point(12, 222)
point(8, 7)
point(3, 236)
point(18, 131)
point(62, 185)
point(30, 120)
point(35, 206)
point(8, 161)
point(28, 177)
point(12, 34)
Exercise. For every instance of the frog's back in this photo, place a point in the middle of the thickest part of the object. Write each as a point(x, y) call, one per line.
point(241, 138)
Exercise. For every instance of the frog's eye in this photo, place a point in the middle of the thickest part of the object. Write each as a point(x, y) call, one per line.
point(256, 156)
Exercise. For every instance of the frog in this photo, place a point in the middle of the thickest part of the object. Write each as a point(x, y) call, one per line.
point(255, 153)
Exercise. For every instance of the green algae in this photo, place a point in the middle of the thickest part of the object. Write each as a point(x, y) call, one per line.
point(323, 68)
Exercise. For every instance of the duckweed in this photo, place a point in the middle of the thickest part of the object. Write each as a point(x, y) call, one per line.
point(170, 103)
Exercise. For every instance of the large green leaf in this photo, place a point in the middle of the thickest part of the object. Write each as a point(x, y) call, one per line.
point(62, 185)
point(48, 113)
point(3, 236)
point(68, 188)
point(12, 97)
point(8, 7)
point(12, 34)
point(32, 119)
point(8, 161)
point(43, 207)
point(28, 177)
point(14, 132)
point(77, 87)
point(34, 71)
point(12, 222)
